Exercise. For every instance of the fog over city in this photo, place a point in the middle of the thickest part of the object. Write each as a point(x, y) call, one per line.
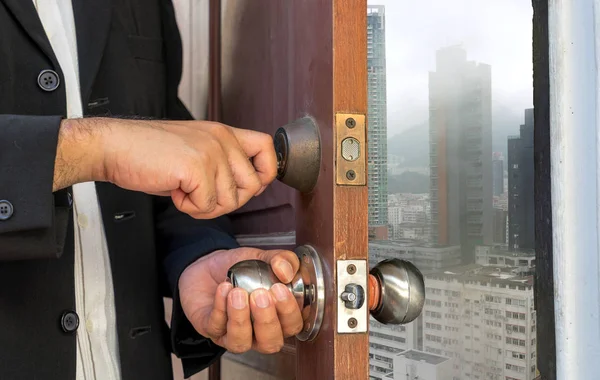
point(496, 32)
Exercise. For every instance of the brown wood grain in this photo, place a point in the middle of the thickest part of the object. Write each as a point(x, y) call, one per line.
point(283, 60)
point(339, 356)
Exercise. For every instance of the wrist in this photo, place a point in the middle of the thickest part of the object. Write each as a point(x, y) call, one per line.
point(79, 154)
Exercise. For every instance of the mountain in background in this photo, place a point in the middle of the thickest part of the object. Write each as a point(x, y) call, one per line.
point(412, 145)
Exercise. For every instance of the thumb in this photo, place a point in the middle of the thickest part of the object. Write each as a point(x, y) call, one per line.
point(284, 263)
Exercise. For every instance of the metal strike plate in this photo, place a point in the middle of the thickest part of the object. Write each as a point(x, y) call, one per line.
point(351, 149)
point(351, 320)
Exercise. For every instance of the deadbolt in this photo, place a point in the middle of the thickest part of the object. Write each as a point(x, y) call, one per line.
point(298, 150)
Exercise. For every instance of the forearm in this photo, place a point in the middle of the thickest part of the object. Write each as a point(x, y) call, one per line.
point(79, 153)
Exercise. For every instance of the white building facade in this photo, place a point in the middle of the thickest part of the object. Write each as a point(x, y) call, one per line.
point(483, 319)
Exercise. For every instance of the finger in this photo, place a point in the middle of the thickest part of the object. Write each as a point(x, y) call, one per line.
point(288, 311)
point(262, 189)
point(239, 328)
point(245, 176)
point(276, 258)
point(160, 193)
point(227, 188)
point(267, 329)
point(216, 326)
point(285, 264)
point(197, 194)
point(259, 146)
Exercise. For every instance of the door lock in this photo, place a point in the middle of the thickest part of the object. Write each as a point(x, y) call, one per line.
point(393, 292)
point(298, 150)
point(308, 286)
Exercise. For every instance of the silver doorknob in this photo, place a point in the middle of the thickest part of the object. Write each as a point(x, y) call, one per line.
point(396, 292)
point(251, 275)
point(308, 286)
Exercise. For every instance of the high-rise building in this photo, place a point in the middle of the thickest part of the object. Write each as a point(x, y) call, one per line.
point(387, 343)
point(500, 219)
point(498, 175)
point(521, 224)
point(460, 149)
point(377, 116)
point(483, 319)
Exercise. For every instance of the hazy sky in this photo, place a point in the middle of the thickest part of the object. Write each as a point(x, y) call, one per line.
point(497, 32)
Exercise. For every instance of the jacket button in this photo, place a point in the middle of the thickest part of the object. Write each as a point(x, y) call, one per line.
point(69, 321)
point(6, 210)
point(48, 80)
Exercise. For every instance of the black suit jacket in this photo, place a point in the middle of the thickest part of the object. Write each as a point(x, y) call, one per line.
point(130, 64)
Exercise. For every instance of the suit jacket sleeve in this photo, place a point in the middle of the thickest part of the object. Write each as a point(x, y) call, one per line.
point(181, 238)
point(183, 241)
point(38, 224)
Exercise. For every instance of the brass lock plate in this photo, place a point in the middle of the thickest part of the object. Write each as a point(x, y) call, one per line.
point(351, 149)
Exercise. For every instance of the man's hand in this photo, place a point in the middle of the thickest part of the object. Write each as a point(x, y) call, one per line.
point(223, 314)
point(208, 169)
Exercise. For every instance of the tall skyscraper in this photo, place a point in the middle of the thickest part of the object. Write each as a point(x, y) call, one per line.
point(498, 175)
point(460, 149)
point(521, 224)
point(377, 116)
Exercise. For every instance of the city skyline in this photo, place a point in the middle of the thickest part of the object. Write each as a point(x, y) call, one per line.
point(479, 319)
point(419, 29)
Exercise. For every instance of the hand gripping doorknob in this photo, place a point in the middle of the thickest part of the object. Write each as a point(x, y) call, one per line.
point(396, 290)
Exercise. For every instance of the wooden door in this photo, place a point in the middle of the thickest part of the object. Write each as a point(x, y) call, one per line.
point(282, 60)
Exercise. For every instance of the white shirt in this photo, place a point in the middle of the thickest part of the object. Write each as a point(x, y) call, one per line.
point(97, 345)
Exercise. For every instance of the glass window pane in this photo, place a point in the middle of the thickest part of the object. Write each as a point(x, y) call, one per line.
point(451, 184)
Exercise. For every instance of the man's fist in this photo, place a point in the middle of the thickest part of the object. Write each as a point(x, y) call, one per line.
point(223, 314)
point(209, 169)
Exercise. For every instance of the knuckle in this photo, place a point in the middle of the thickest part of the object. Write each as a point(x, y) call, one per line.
point(215, 330)
point(294, 329)
point(266, 140)
point(238, 323)
point(209, 203)
point(269, 322)
point(219, 129)
point(271, 348)
point(233, 195)
point(239, 347)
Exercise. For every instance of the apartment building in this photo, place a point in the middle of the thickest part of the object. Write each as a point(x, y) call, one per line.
point(460, 149)
point(483, 319)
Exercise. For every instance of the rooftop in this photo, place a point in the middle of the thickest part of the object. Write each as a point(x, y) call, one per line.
point(407, 243)
point(486, 274)
point(421, 356)
point(499, 251)
point(413, 225)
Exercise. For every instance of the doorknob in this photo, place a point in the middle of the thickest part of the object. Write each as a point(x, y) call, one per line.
point(298, 150)
point(395, 294)
point(308, 286)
